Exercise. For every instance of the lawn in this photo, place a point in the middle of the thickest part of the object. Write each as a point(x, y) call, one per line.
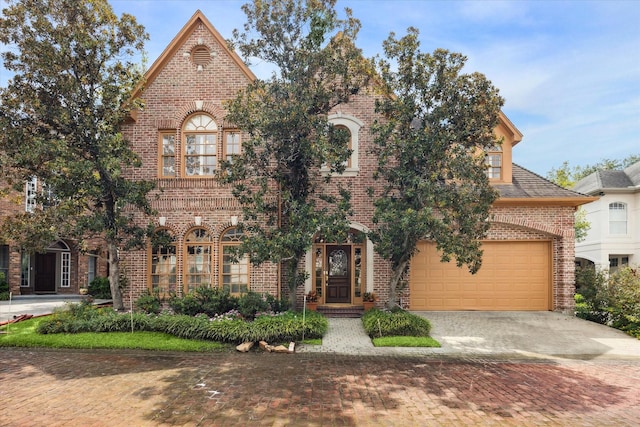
point(23, 334)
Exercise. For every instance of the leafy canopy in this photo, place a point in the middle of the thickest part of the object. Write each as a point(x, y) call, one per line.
point(277, 178)
point(437, 123)
point(61, 114)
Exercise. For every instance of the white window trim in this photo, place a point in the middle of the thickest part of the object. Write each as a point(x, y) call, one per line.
point(30, 194)
point(354, 125)
point(65, 269)
point(619, 207)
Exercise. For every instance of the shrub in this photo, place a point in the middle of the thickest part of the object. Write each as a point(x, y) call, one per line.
point(623, 296)
point(251, 303)
point(396, 322)
point(100, 288)
point(204, 299)
point(4, 288)
point(149, 303)
point(277, 305)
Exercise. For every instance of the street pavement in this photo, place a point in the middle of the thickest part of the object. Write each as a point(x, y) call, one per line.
point(511, 369)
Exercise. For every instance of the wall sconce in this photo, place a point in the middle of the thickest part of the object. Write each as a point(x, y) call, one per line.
point(234, 220)
point(197, 220)
point(162, 220)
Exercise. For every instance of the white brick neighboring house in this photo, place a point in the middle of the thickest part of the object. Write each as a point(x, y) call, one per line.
point(614, 238)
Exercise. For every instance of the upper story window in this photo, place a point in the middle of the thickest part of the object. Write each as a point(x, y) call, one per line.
point(30, 194)
point(494, 162)
point(167, 154)
point(617, 218)
point(232, 144)
point(351, 125)
point(200, 148)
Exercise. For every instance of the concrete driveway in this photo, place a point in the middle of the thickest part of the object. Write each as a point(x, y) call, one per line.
point(528, 334)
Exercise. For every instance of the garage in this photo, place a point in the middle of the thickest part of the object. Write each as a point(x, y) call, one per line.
point(515, 275)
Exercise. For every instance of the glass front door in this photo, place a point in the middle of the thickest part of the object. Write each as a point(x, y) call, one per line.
point(338, 274)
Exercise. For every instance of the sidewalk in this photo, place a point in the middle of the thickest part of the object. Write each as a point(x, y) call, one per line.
point(37, 305)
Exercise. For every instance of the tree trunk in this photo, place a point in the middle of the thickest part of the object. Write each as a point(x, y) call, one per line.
point(396, 275)
point(114, 276)
point(292, 267)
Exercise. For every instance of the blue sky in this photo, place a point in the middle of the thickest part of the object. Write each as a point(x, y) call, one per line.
point(568, 70)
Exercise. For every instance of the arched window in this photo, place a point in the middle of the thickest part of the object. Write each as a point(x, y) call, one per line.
point(352, 125)
point(198, 255)
point(617, 218)
point(200, 146)
point(162, 268)
point(234, 276)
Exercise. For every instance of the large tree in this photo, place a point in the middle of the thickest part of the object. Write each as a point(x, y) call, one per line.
point(430, 143)
point(277, 177)
point(60, 116)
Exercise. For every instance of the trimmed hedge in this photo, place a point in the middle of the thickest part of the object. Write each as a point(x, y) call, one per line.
point(397, 322)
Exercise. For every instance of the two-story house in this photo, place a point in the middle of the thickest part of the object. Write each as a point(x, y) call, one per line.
point(613, 240)
point(181, 135)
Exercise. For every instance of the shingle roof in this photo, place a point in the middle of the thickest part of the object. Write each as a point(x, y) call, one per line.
point(609, 179)
point(526, 184)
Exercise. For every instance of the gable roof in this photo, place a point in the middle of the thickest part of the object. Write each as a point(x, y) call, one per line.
point(602, 180)
point(530, 188)
point(198, 18)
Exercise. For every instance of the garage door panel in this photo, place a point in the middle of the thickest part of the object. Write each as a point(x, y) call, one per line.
point(513, 276)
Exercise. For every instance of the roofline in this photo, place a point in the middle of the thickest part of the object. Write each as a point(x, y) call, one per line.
point(517, 135)
point(631, 189)
point(545, 201)
point(178, 40)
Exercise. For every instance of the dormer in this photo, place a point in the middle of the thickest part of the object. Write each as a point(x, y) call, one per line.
point(499, 159)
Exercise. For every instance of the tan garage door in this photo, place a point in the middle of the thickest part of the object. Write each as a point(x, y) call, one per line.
point(514, 276)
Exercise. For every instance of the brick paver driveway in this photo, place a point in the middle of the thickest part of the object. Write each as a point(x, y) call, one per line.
point(105, 388)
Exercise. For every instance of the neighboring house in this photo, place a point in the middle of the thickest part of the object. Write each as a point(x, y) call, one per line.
point(613, 240)
point(60, 269)
point(181, 135)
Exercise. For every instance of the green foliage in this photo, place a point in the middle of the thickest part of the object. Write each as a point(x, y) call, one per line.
point(288, 326)
point(285, 200)
point(581, 225)
point(611, 300)
point(623, 294)
point(437, 124)
point(4, 288)
point(251, 303)
point(61, 115)
point(396, 322)
point(149, 303)
point(99, 288)
point(204, 300)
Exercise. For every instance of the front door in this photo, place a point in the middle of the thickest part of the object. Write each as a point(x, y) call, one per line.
point(339, 277)
point(45, 280)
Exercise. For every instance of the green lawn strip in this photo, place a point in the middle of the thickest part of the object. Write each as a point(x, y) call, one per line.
point(404, 341)
point(23, 334)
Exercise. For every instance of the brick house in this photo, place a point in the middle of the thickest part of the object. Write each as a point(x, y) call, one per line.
point(529, 252)
point(60, 269)
point(181, 134)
